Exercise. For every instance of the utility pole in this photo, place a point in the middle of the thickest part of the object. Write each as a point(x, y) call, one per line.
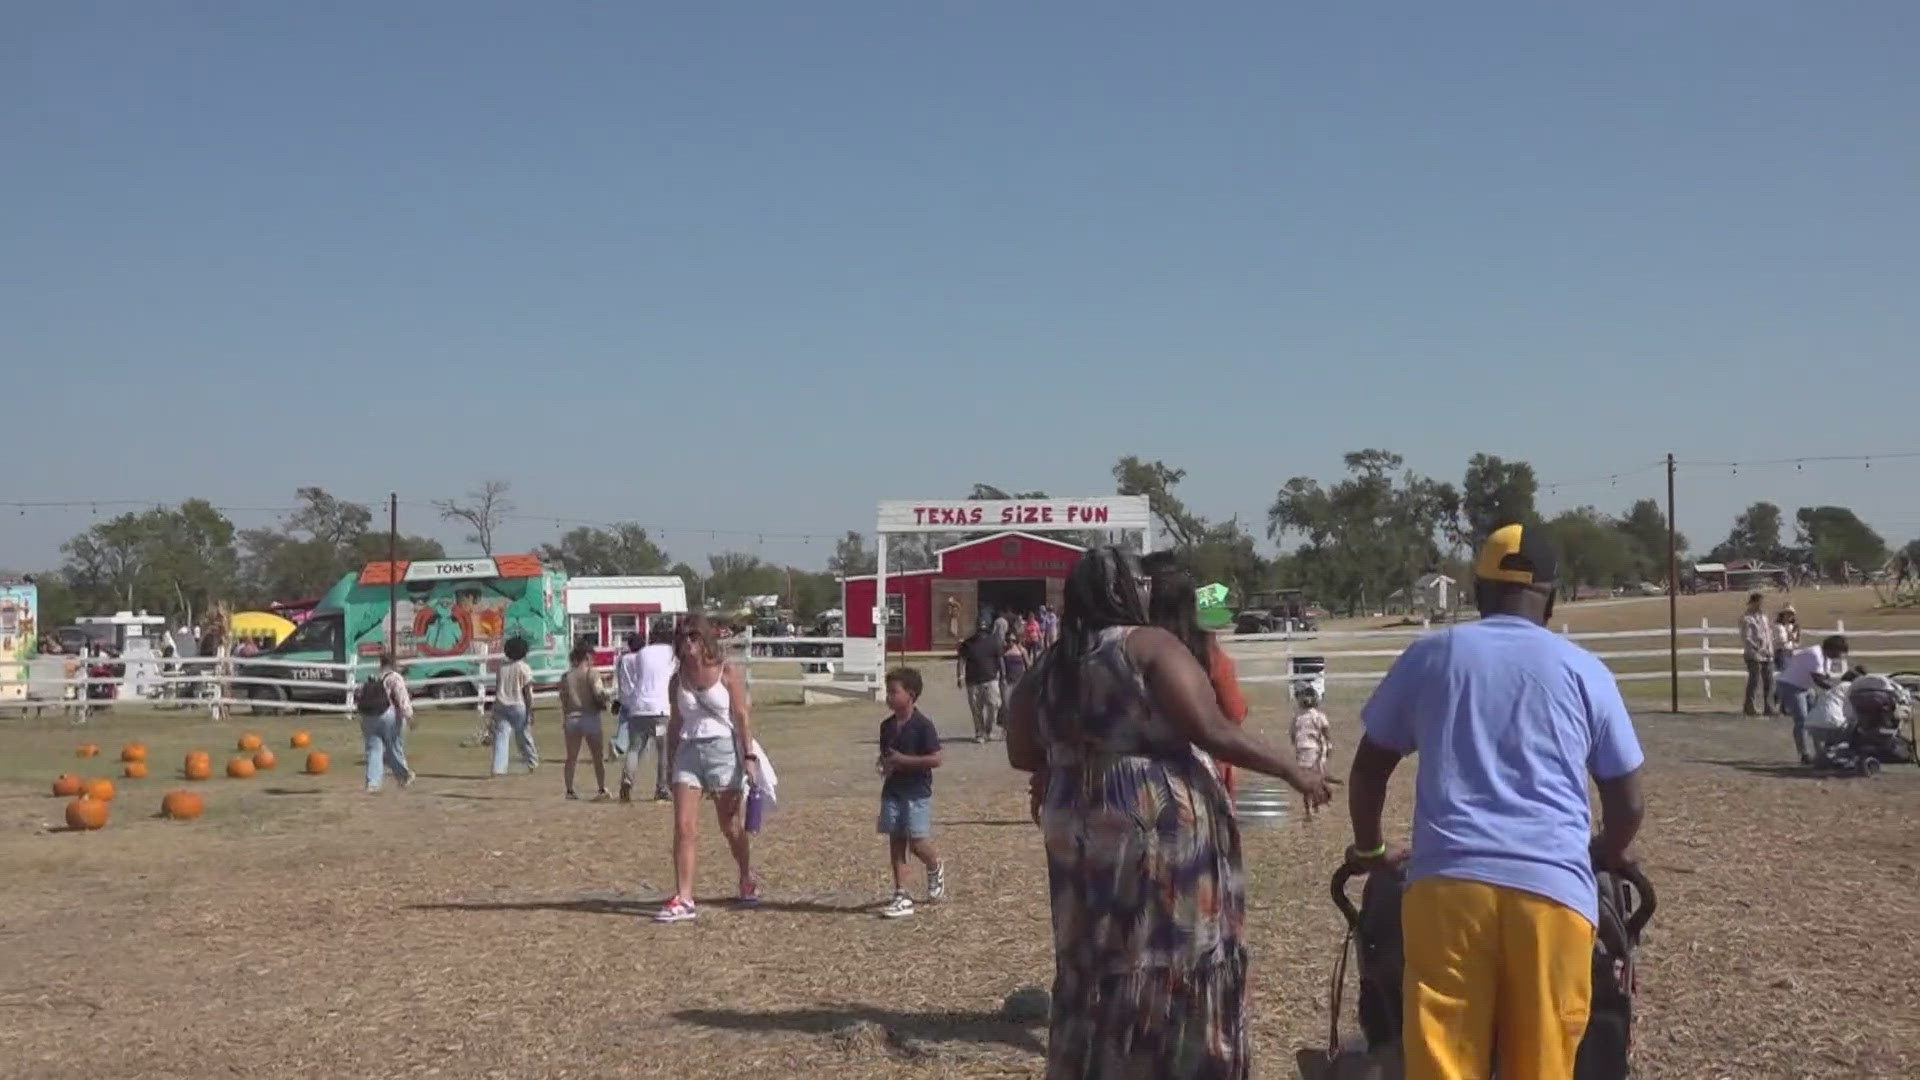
point(393, 573)
point(1673, 594)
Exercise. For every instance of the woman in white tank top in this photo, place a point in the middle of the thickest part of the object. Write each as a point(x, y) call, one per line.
point(709, 742)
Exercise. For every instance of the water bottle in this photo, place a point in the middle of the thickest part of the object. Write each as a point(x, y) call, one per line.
point(756, 807)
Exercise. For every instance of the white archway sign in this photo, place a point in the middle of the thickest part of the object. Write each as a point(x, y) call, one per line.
point(1104, 513)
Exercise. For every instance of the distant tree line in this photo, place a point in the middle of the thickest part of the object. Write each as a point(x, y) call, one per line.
point(1350, 544)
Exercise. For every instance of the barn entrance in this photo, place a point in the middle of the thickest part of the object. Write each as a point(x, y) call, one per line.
point(1004, 597)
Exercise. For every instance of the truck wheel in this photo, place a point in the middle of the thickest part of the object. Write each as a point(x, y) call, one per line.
point(446, 693)
point(267, 700)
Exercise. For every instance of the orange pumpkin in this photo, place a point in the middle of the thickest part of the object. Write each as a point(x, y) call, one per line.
point(265, 760)
point(133, 751)
point(182, 805)
point(87, 750)
point(86, 813)
point(300, 741)
point(101, 789)
point(240, 768)
point(318, 763)
point(68, 785)
point(199, 766)
point(250, 742)
point(136, 770)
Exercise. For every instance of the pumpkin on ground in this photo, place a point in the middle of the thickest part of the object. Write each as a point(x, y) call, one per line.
point(240, 768)
point(182, 805)
point(87, 750)
point(250, 742)
point(318, 763)
point(68, 785)
point(86, 813)
point(300, 741)
point(133, 751)
point(136, 770)
point(101, 789)
point(265, 760)
point(199, 766)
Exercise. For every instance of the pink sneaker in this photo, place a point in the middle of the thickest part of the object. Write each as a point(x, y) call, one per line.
point(676, 910)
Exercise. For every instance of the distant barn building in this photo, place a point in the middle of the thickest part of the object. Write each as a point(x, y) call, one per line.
point(933, 610)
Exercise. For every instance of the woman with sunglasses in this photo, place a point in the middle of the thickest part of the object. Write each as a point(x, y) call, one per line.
point(709, 742)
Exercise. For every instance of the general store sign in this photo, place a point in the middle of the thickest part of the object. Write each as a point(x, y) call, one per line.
point(1025, 515)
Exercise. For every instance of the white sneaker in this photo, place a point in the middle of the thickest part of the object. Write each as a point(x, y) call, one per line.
point(899, 908)
point(676, 910)
point(937, 883)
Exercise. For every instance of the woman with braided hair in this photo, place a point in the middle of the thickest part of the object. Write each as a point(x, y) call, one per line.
point(1143, 853)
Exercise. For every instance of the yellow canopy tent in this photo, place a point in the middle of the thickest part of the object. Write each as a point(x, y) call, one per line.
point(256, 625)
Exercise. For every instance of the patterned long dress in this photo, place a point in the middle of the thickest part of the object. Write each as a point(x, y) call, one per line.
point(1143, 860)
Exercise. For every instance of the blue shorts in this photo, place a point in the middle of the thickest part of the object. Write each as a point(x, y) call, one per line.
point(906, 818)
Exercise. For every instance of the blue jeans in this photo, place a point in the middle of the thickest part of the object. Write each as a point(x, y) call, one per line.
point(512, 719)
point(386, 739)
point(1793, 701)
point(637, 731)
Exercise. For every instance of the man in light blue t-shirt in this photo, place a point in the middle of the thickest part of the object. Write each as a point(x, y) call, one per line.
point(1509, 720)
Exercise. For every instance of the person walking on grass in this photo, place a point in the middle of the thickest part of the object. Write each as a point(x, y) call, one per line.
point(1756, 648)
point(710, 742)
point(1510, 720)
point(1143, 851)
point(642, 675)
point(386, 712)
point(909, 752)
point(978, 669)
point(581, 703)
point(513, 709)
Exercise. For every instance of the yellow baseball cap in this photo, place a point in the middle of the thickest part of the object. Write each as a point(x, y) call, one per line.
point(1517, 555)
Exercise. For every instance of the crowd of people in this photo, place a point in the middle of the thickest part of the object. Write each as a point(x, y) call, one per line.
point(1130, 723)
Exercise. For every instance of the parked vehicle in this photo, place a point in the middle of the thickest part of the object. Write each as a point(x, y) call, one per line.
point(454, 616)
point(1274, 612)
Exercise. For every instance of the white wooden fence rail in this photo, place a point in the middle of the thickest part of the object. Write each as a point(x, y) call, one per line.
point(829, 669)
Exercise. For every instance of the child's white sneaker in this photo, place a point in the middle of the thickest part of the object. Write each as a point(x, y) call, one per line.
point(899, 908)
point(937, 883)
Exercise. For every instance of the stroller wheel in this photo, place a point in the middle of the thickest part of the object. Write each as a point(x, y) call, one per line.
point(1870, 767)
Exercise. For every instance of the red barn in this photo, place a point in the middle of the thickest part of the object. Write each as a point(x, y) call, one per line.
point(935, 609)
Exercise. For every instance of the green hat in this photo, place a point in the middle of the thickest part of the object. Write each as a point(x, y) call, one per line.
point(1213, 607)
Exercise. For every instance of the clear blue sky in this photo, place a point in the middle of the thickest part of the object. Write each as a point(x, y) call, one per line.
point(815, 255)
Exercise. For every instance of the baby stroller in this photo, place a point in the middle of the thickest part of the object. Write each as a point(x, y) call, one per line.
point(1877, 707)
point(1373, 935)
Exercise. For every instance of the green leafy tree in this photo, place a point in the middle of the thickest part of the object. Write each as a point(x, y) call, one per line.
point(1495, 493)
point(324, 539)
point(624, 549)
point(1368, 535)
point(1594, 552)
point(174, 562)
point(1840, 540)
point(850, 555)
point(1645, 528)
point(1755, 536)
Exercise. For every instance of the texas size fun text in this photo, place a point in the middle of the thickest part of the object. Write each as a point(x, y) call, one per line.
point(1011, 515)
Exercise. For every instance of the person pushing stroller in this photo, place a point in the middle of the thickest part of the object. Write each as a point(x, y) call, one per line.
point(1499, 919)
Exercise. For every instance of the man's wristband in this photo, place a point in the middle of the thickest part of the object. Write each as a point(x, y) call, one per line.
point(1374, 854)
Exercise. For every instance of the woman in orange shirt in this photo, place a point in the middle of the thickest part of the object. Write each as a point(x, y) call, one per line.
point(1174, 605)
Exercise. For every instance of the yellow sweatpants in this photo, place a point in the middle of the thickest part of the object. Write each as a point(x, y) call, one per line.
point(1493, 971)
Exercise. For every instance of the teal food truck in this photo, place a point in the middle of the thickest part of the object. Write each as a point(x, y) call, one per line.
point(454, 616)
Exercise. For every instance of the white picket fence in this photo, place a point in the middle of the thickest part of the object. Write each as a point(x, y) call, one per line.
point(822, 669)
point(1362, 656)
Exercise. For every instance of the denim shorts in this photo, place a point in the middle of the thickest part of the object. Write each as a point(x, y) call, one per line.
point(712, 765)
point(906, 817)
point(585, 723)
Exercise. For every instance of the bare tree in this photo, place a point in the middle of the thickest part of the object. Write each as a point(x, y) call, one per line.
point(483, 511)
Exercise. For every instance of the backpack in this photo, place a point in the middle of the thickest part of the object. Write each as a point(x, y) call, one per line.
point(372, 698)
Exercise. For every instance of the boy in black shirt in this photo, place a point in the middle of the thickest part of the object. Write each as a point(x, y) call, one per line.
point(909, 752)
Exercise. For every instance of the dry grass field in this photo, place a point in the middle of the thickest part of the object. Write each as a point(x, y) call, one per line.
point(486, 928)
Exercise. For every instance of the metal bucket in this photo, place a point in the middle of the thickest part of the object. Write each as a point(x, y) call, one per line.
point(1263, 804)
